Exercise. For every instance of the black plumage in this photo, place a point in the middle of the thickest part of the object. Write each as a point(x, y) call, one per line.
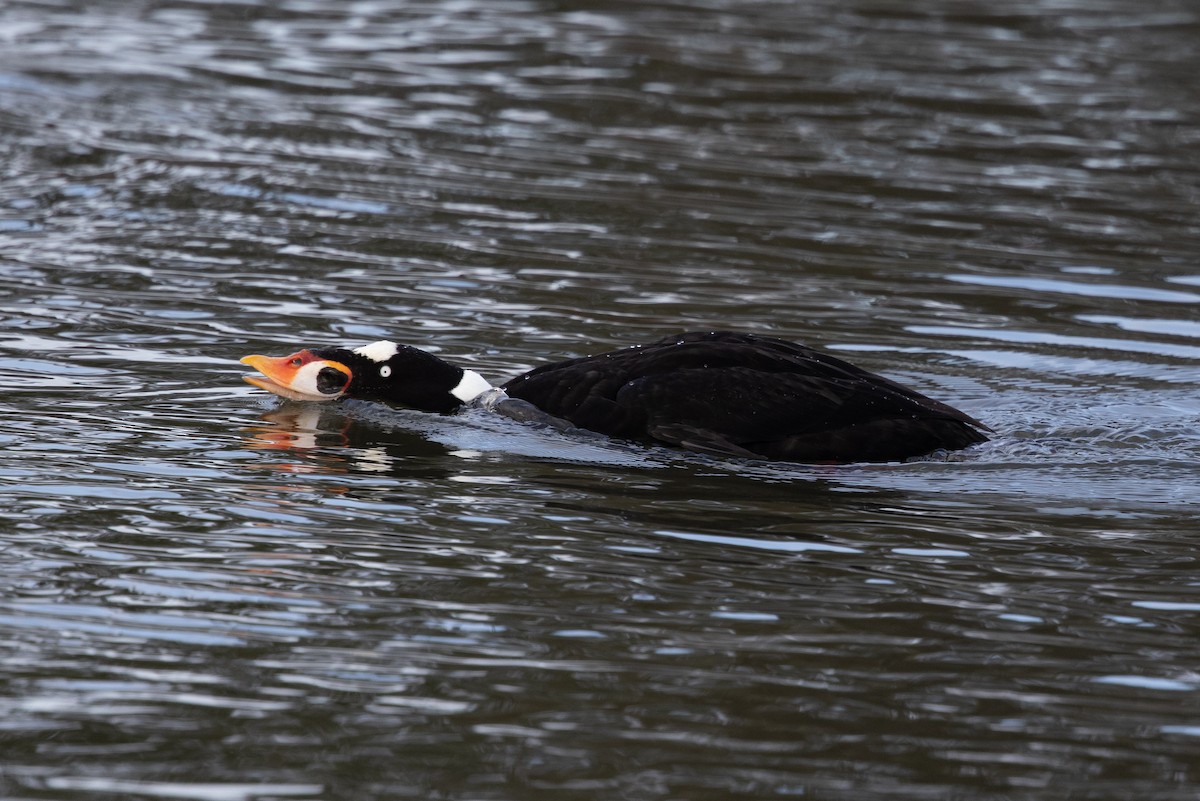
point(744, 395)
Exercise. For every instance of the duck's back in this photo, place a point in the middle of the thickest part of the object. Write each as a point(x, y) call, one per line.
point(745, 395)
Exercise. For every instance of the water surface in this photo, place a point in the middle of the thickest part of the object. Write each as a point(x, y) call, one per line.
point(212, 595)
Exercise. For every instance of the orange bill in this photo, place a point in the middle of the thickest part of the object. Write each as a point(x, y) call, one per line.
point(294, 376)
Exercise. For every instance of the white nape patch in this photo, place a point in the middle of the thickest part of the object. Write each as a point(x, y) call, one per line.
point(470, 387)
point(379, 351)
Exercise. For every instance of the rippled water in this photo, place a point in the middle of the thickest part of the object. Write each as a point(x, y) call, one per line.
point(209, 595)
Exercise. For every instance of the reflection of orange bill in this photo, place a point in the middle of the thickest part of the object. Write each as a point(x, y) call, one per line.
point(295, 428)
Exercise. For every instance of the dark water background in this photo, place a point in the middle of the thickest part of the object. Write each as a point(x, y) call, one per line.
point(207, 595)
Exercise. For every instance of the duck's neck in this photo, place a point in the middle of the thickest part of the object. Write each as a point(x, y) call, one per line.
point(470, 386)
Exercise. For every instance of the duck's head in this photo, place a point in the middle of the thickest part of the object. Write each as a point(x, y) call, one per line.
point(381, 371)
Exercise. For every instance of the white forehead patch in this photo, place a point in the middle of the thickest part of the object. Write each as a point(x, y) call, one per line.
point(379, 351)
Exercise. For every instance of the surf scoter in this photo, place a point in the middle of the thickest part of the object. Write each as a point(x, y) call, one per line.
point(717, 393)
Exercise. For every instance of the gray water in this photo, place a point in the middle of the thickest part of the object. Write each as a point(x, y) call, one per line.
point(209, 594)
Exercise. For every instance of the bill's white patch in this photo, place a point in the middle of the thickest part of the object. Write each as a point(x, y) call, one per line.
point(305, 382)
point(470, 387)
point(379, 351)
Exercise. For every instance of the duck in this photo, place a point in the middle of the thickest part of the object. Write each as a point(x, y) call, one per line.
point(719, 393)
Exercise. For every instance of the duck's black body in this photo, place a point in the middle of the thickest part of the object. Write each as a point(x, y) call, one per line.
point(716, 392)
point(749, 396)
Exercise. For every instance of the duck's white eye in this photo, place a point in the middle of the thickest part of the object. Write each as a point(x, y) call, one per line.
point(385, 371)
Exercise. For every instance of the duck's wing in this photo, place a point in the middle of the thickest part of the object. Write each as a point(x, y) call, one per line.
point(742, 395)
point(744, 412)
